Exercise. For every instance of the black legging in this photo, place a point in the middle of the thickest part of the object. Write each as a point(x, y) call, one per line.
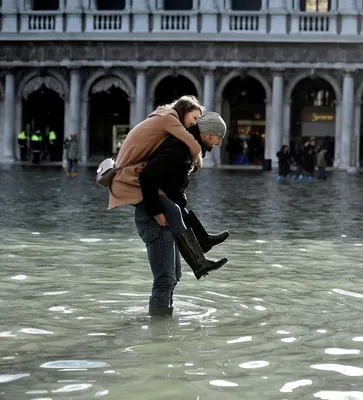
point(175, 216)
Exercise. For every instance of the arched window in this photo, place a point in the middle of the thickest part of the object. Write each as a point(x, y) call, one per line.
point(246, 5)
point(315, 5)
point(111, 4)
point(45, 5)
point(178, 4)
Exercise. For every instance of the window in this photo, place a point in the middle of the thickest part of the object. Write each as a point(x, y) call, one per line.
point(246, 5)
point(111, 4)
point(315, 5)
point(45, 5)
point(178, 4)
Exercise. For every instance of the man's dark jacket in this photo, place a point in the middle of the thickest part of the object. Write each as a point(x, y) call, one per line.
point(167, 169)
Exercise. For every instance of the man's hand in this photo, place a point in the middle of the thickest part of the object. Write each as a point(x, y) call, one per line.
point(161, 220)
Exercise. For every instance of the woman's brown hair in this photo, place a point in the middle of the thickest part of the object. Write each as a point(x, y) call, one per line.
point(185, 105)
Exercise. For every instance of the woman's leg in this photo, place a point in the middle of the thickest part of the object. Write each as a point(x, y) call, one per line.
point(173, 215)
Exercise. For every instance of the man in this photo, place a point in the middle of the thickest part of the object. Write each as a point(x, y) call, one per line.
point(168, 170)
point(23, 144)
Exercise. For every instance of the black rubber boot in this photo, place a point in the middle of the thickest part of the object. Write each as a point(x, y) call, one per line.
point(161, 311)
point(206, 240)
point(192, 253)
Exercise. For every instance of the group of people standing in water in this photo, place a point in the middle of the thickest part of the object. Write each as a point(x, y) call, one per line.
point(306, 159)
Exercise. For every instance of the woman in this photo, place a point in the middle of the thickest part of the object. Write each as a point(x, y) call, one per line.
point(284, 162)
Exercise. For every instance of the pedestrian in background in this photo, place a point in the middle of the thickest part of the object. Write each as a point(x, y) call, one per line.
point(322, 163)
point(72, 155)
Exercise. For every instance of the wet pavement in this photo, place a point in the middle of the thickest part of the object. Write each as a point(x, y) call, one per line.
point(281, 321)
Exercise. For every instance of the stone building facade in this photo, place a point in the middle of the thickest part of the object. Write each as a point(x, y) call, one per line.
point(92, 69)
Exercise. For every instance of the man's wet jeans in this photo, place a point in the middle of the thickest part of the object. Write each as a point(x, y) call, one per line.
point(163, 257)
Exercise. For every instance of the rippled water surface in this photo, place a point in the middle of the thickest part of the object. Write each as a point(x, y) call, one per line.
point(283, 320)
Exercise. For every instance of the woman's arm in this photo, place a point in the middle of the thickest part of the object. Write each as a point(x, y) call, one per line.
point(175, 128)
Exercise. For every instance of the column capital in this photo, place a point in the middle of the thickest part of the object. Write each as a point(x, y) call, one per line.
point(141, 69)
point(278, 71)
point(349, 71)
point(210, 69)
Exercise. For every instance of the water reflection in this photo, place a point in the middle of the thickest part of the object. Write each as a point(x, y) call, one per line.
point(279, 320)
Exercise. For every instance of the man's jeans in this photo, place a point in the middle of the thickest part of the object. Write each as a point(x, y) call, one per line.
point(163, 257)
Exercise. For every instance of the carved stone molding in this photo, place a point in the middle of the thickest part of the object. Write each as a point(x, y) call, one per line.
point(36, 83)
point(105, 84)
point(314, 53)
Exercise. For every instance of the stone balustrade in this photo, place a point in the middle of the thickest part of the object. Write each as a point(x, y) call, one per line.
point(43, 21)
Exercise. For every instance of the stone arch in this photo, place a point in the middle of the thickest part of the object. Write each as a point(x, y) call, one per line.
point(323, 75)
point(125, 84)
point(164, 74)
point(57, 83)
point(253, 74)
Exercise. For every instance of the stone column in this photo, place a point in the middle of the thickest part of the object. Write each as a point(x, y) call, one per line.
point(84, 141)
point(9, 114)
point(132, 117)
point(209, 89)
point(214, 158)
point(278, 13)
point(357, 127)
point(349, 17)
point(141, 96)
point(354, 149)
point(75, 102)
point(277, 114)
point(287, 122)
point(9, 12)
point(267, 152)
point(67, 120)
point(73, 16)
point(338, 125)
point(209, 14)
point(140, 10)
point(18, 116)
point(347, 119)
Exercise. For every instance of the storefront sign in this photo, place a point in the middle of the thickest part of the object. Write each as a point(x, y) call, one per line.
point(322, 117)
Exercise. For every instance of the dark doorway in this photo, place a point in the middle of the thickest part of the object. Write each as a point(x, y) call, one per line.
point(313, 114)
point(246, 5)
point(44, 111)
point(247, 123)
point(111, 4)
point(45, 5)
point(171, 88)
point(109, 119)
point(178, 4)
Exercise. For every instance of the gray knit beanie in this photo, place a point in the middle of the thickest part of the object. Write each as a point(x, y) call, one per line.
point(211, 123)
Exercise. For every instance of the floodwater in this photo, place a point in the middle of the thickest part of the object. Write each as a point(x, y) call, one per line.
point(283, 320)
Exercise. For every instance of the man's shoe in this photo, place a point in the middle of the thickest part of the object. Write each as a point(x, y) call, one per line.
point(192, 253)
point(205, 239)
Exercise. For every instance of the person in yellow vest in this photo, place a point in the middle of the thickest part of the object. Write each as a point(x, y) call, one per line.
point(35, 142)
point(23, 144)
point(52, 138)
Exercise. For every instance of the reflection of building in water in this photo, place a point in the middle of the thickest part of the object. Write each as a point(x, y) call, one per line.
point(277, 70)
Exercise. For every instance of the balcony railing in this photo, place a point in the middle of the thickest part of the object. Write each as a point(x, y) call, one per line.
point(317, 23)
point(168, 21)
point(108, 22)
point(42, 22)
point(244, 22)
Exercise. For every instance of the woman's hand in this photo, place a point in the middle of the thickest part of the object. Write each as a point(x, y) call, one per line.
point(198, 161)
point(161, 220)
